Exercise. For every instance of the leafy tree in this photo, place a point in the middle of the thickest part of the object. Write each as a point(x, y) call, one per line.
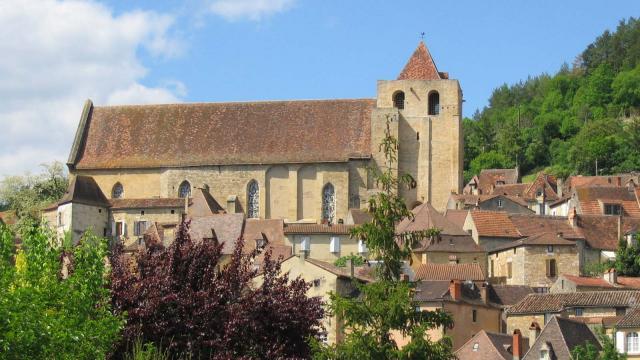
point(490, 160)
point(186, 301)
point(627, 259)
point(385, 308)
point(589, 351)
point(356, 260)
point(46, 316)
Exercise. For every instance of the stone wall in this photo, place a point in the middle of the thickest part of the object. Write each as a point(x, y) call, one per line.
point(319, 246)
point(487, 318)
point(130, 216)
point(523, 322)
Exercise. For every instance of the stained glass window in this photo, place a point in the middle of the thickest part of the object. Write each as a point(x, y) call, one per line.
point(117, 192)
point(253, 199)
point(184, 190)
point(328, 203)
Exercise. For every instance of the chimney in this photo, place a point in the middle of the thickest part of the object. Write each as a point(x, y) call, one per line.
point(573, 217)
point(534, 332)
point(232, 204)
point(516, 348)
point(351, 268)
point(619, 181)
point(455, 290)
point(484, 293)
point(611, 276)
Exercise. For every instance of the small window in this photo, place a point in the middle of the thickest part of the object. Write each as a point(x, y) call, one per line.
point(398, 100)
point(173, 211)
point(120, 225)
point(334, 245)
point(118, 191)
point(499, 203)
point(184, 190)
point(544, 354)
point(476, 346)
point(362, 247)
point(139, 227)
point(474, 315)
point(328, 203)
point(550, 249)
point(509, 270)
point(492, 269)
point(620, 311)
point(434, 103)
point(305, 243)
point(633, 345)
point(552, 270)
point(253, 199)
point(612, 209)
point(579, 311)
point(142, 212)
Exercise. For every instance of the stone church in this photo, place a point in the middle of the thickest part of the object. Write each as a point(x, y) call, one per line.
point(297, 160)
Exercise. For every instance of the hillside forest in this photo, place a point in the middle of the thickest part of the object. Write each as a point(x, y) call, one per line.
point(585, 119)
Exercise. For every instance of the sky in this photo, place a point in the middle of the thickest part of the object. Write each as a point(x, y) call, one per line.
point(56, 54)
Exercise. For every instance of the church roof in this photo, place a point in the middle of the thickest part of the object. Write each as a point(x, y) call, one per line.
point(267, 132)
point(84, 190)
point(420, 66)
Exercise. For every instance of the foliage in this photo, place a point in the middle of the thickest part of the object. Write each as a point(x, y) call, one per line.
point(27, 194)
point(148, 351)
point(385, 309)
point(44, 315)
point(627, 259)
point(589, 351)
point(569, 121)
point(186, 299)
point(356, 260)
point(596, 269)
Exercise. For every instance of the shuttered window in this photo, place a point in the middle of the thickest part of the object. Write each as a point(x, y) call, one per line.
point(552, 270)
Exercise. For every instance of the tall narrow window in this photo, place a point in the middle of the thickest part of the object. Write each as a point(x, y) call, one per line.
point(117, 192)
point(551, 268)
point(184, 190)
point(253, 199)
point(633, 345)
point(434, 103)
point(328, 203)
point(398, 100)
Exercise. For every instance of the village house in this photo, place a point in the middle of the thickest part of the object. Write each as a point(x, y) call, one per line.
point(587, 306)
point(558, 338)
point(609, 281)
point(627, 334)
point(606, 200)
point(496, 202)
point(483, 183)
point(324, 242)
point(487, 345)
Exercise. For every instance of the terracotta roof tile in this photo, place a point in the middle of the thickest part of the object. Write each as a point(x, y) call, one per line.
point(507, 295)
point(337, 229)
point(457, 217)
point(117, 204)
point(176, 135)
point(591, 200)
point(631, 319)
point(529, 225)
point(562, 336)
point(541, 239)
point(426, 217)
point(488, 178)
point(227, 228)
point(420, 66)
point(541, 303)
point(84, 190)
point(601, 231)
point(494, 224)
point(491, 346)
point(516, 190)
point(465, 272)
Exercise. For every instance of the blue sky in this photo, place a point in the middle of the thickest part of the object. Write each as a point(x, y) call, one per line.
point(338, 49)
point(60, 52)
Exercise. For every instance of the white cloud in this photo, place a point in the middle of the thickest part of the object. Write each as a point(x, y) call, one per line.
point(249, 9)
point(56, 54)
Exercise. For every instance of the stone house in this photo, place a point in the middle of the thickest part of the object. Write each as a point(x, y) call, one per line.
point(584, 306)
point(558, 338)
point(536, 261)
point(608, 282)
point(538, 195)
point(323, 241)
point(325, 278)
point(606, 200)
point(299, 161)
point(498, 202)
point(487, 345)
point(483, 183)
point(627, 334)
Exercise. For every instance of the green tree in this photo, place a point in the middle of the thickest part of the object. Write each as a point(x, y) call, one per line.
point(490, 160)
point(44, 315)
point(386, 307)
point(627, 259)
point(589, 351)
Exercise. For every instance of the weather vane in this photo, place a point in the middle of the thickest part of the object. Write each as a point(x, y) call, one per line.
point(422, 35)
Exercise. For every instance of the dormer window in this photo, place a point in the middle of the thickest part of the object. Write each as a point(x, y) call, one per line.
point(398, 100)
point(117, 192)
point(612, 209)
point(184, 190)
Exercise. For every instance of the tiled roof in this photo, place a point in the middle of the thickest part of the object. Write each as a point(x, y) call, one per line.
point(631, 319)
point(203, 204)
point(529, 225)
point(432, 271)
point(507, 295)
point(426, 217)
point(430, 290)
point(536, 240)
point(488, 178)
point(364, 273)
point(117, 204)
point(516, 190)
point(420, 66)
point(541, 303)
point(601, 231)
point(562, 336)
point(456, 217)
point(272, 229)
point(588, 281)
point(360, 216)
point(491, 346)
point(336, 229)
point(450, 244)
point(268, 132)
point(227, 228)
point(542, 181)
point(591, 200)
point(84, 190)
point(494, 224)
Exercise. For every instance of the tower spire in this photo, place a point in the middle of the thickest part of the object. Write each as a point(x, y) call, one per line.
point(420, 65)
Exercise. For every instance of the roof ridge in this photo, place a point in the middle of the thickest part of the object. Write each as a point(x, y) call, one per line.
point(228, 102)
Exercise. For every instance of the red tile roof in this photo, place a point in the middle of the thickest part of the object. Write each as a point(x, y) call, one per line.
point(420, 66)
point(631, 319)
point(490, 346)
point(591, 200)
point(541, 303)
point(601, 231)
point(337, 229)
point(494, 224)
point(488, 178)
point(117, 204)
point(529, 225)
point(176, 135)
point(364, 273)
point(426, 217)
point(432, 271)
point(457, 217)
point(541, 239)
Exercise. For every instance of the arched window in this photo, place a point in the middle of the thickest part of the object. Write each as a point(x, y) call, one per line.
point(253, 199)
point(117, 192)
point(434, 103)
point(633, 345)
point(184, 190)
point(398, 100)
point(328, 203)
